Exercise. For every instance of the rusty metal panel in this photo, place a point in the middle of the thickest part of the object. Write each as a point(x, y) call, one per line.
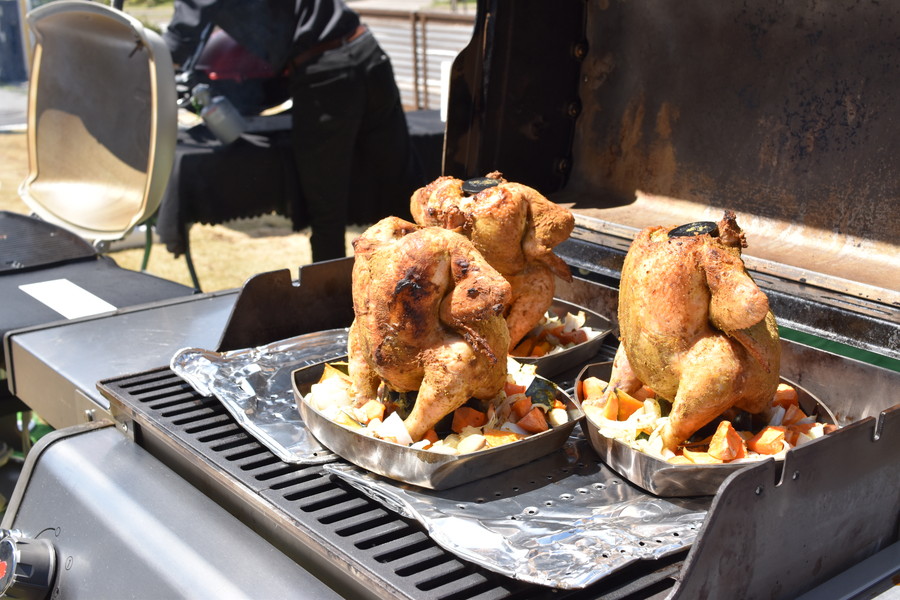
point(782, 112)
point(785, 112)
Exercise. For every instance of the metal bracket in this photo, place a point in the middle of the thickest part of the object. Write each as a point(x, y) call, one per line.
point(271, 307)
point(833, 504)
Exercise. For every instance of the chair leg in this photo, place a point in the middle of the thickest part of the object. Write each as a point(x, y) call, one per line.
point(148, 245)
point(26, 432)
point(190, 265)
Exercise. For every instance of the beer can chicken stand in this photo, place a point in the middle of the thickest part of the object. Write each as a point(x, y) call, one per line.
point(694, 326)
point(429, 317)
point(514, 227)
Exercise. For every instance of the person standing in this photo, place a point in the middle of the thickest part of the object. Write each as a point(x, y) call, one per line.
point(354, 157)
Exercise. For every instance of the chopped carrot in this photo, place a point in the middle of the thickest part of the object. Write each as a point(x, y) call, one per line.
point(830, 427)
point(643, 393)
point(627, 405)
point(373, 409)
point(768, 441)
point(793, 431)
point(611, 408)
point(497, 437)
point(432, 437)
point(801, 427)
point(701, 458)
point(541, 348)
point(726, 443)
point(534, 422)
point(792, 414)
point(592, 387)
point(521, 407)
point(557, 403)
point(680, 459)
point(579, 336)
point(512, 389)
point(523, 348)
point(791, 436)
point(576, 336)
point(556, 332)
point(465, 416)
point(785, 396)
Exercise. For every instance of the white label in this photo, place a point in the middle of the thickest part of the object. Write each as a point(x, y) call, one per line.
point(66, 298)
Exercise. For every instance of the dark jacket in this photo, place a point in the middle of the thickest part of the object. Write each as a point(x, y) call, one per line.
point(274, 30)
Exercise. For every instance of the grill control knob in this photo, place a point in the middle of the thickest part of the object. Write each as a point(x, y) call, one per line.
point(27, 567)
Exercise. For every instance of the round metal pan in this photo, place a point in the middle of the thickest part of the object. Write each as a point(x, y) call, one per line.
point(422, 467)
point(658, 476)
point(553, 364)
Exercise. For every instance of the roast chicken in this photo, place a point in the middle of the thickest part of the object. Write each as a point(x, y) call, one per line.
point(429, 317)
point(514, 227)
point(694, 326)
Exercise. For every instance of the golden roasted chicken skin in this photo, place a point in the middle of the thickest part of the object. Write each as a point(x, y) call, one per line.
point(429, 317)
point(515, 228)
point(695, 327)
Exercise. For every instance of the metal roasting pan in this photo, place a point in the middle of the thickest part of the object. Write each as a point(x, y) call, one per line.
point(422, 467)
point(658, 476)
point(553, 364)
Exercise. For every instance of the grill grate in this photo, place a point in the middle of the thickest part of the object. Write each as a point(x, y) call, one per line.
point(394, 553)
point(29, 243)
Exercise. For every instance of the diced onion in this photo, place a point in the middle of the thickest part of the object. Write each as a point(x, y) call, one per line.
point(393, 428)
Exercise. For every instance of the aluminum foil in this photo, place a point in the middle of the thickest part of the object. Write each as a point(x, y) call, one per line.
point(563, 521)
point(254, 385)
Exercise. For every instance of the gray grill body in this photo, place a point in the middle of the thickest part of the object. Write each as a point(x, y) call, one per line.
point(125, 526)
point(332, 529)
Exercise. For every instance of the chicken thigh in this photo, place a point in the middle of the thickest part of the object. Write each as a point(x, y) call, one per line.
point(514, 227)
point(429, 317)
point(694, 325)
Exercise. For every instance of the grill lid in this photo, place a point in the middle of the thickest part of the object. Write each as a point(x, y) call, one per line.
point(622, 110)
point(101, 119)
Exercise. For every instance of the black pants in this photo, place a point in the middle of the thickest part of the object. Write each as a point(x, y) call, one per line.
point(351, 143)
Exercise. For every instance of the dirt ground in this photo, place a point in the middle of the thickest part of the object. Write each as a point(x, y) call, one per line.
point(224, 256)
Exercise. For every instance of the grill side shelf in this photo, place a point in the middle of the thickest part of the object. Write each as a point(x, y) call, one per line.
point(352, 542)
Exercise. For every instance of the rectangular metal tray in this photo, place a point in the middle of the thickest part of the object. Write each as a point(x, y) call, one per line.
point(553, 364)
point(658, 476)
point(423, 467)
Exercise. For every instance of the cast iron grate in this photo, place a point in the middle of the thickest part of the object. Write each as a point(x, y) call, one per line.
point(374, 540)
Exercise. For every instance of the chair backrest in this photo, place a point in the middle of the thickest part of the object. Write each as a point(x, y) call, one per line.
point(102, 120)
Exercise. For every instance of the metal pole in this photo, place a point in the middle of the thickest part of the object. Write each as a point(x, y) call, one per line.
point(413, 19)
point(424, 24)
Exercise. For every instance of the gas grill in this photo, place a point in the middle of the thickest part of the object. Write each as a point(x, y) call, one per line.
point(150, 488)
point(371, 551)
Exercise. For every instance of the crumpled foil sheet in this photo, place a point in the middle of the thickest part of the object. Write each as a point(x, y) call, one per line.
point(564, 521)
point(255, 386)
